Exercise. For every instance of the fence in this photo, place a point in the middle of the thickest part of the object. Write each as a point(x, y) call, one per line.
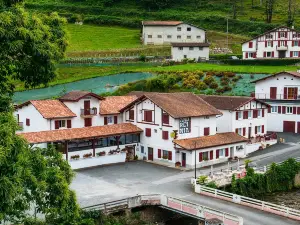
point(250, 202)
point(175, 204)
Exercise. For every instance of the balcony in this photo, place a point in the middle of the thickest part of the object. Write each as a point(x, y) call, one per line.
point(88, 112)
point(267, 96)
point(282, 48)
point(21, 125)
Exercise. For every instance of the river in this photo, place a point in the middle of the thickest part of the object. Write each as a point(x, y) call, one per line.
point(289, 199)
point(97, 85)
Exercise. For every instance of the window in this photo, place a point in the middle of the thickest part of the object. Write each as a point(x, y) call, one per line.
point(188, 37)
point(147, 115)
point(142, 149)
point(205, 156)
point(109, 119)
point(240, 131)
point(282, 34)
point(87, 122)
point(289, 110)
point(295, 54)
point(198, 37)
point(28, 122)
point(148, 132)
point(189, 29)
point(269, 43)
point(149, 36)
point(165, 154)
point(269, 36)
point(178, 28)
point(221, 152)
point(178, 36)
point(249, 114)
point(258, 129)
point(259, 113)
point(62, 123)
point(269, 54)
point(200, 48)
point(165, 135)
point(185, 56)
point(250, 44)
point(131, 114)
point(206, 117)
point(159, 36)
point(165, 118)
point(239, 147)
point(191, 48)
point(291, 93)
point(169, 36)
point(274, 109)
point(180, 48)
point(296, 43)
point(239, 115)
point(206, 131)
point(282, 43)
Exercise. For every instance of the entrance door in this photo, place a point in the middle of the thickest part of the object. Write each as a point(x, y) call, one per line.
point(273, 92)
point(298, 127)
point(281, 54)
point(183, 159)
point(150, 154)
point(289, 126)
point(87, 106)
point(231, 152)
point(249, 132)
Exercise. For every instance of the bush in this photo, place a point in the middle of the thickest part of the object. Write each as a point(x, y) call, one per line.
point(263, 62)
point(142, 58)
point(229, 74)
point(236, 78)
point(214, 85)
point(201, 86)
point(219, 74)
point(227, 88)
point(212, 184)
point(208, 80)
point(220, 90)
point(224, 56)
point(210, 73)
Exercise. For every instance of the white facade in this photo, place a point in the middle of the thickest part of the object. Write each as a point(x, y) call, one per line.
point(189, 52)
point(282, 42)
point(166, 34)
point(281, 91)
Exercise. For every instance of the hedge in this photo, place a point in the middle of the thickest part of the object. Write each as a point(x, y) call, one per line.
point(224, 56)
point(263, 62)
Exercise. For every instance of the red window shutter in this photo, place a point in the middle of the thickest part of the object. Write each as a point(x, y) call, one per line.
point(246, 114)
point(217, 153)
point(263, 129)
point(263, 112)
point(293, 43)
point(266, 43)
point(246, 55)
point(286, 34)
point(148, 132)
point(159, 153)
point(69, 123)
point(145, 116)
point(255, 113)
point(170, 155)
point(200, 157)
point(269, 110)
point(250, 44)
point(148, 116)
point(211, 155)
point(285, 43)
point(278, 43)
point(115, 119)
point(283, 109)
point(88, 122)
point(271, 43)
point(165, 119)
point(285, 93)
point(255, 129)
point(226, 152)
point(56, 124)
point(265, 54)
point(131, 114)
point(236, 130)
point(295, 93)
point(105, 120)
point(244, 131)
point(299, 54)
point(279, 109)
point(237, 115)
point(273, 54)
point(27, 122)
point(254, 55)
point(291, 53)
point(294, 110)
point(298, 110)
point(165, 135)
point(206, 131)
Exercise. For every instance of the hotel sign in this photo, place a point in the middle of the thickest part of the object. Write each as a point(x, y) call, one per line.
point(184, 125)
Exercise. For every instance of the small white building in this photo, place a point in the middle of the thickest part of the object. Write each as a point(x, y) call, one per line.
point(282, 42)
point(196, 51)
point(166, 32)
point(281, 92)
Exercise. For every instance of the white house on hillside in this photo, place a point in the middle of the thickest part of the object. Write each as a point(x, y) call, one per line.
point(282, 42)
point(281, 91)
point(166, 32)
point(197, 51)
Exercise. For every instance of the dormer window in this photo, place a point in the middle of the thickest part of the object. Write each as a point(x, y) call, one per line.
point(178, 28)
point(269, 36)
point(148, 116)
point(189, 29)
point(131, 114)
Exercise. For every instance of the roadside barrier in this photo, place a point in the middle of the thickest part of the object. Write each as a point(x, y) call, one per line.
point(174, 204)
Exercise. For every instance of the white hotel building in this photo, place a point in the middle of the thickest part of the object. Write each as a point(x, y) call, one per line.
point(282, 42)
point(167, 128)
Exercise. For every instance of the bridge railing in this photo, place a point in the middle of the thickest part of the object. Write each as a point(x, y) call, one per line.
point(250, 202)
point(175, 204)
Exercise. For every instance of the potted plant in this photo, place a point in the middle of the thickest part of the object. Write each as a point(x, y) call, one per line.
point(111, 152)
point(103, 153)
point(165, 157)
point(75, 157)
point(87, 155)
point(178, 164)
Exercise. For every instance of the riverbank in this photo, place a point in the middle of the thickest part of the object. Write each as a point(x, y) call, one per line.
point(289, 199)
point(70, 74)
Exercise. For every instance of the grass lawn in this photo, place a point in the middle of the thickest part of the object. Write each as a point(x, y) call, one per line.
point(93, 38)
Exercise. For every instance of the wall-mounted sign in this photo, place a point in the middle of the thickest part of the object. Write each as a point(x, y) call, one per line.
point(184, 125)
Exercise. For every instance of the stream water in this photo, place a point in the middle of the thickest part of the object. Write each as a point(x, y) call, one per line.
point(97, 85)
point(289, 199)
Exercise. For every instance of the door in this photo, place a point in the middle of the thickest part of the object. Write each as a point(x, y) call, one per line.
point(87, 106)
point(150, 154)
point(249, 132)
point(298, 127)
point(183, 159)
point(273, 92)
point(231, 152)
point(87, 122)
point(289, 126)
point(281, 54)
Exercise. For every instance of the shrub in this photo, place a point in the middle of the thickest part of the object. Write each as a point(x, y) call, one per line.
point(220, 90)
point(212, 184)
point(219, 74)
point(252, 76)
point(229, 74)
point(208, 80)
point(142, 58)
point(263, 62)
point(200, 74)
point(214, 85)
point(201, 86)
point(227, 88)
point(236, 78)
point(209, 73)
point(202, 179)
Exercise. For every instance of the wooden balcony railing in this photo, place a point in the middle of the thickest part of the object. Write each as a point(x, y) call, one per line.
point(88, 112)
point(275, 97)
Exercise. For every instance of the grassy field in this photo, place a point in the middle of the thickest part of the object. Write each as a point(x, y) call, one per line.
point(70, 74)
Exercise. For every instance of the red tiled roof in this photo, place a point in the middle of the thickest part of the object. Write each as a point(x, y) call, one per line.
point(210, 141)
point(75, 96)
point(113, 104)
point(80, 133)
point(190, 44)
point(50, 109)
point(161, 23)
point(293, 73)
point(180, 104)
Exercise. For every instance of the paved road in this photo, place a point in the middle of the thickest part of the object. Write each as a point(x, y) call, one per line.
point(108, 183)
